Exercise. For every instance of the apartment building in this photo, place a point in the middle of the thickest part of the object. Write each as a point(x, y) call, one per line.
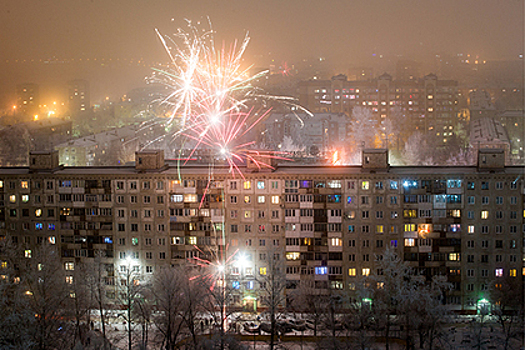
point(328, 224)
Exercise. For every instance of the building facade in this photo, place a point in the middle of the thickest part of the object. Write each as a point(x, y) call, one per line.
point(328, 225)
point(428, 104)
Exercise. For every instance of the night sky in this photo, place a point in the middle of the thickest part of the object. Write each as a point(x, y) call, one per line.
point(346, 32)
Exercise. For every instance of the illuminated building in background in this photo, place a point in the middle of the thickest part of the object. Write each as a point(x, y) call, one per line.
point(28, 99)
point(78, 96)
point(430, 104)
point(330, 225)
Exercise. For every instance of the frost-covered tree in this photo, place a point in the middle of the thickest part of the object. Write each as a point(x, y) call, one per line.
point(462, 157)
point(365, 129)
point(418, 150)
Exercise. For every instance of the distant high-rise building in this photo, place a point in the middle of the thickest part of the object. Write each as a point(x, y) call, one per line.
point(28, 99)
point(480, 105)
point(78, 96)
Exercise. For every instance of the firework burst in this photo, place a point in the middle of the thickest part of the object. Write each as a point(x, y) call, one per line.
point(211, 98)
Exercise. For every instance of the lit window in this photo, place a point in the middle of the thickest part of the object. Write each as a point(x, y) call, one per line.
point(69, 266)
point(51, 239)
point(512, 273)
point(365, 185)
point(51, 227)
point(192, 240)
point(260, 185)
point(247, 185)
point(499, 272)
point(275, 199)
point(336, 242)
point(380, 229)
point(247, 199)
point(39, 226)
point(410, 227)
point(366, 272)
point(262, 271)
point(293, 255)
point(453, 257)
point(69, 279)
point(410, 242)
point(484, 214)
point(321, 270)
point(247, 214)
point(24, 184)
point(38, 213)
point(260, 199)
point(470, 228)
point(27, 253)
point(190, 198)
point(12, 198)
point(352, 272)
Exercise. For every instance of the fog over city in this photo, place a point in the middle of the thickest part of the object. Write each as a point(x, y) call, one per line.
point(272, 174)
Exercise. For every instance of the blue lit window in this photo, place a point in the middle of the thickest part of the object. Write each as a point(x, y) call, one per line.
point(305, 184)
point(260, 185)
point(51, 227)
point(39, 226)
point(236, 285)
point(410, 184)
point(393, 185)
point(351, 228)
point(349, 199)
point(455, 228)
point(321, 270)
point(393, 243)
point(454, 183)
point(454, 198)
point(249, 285)
point(108, 240)
point(334, 198)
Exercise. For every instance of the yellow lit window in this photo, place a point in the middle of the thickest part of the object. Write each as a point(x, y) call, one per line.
point(275, 199)
point(1, 184)
point(365, 185)
point(453, 256)
point(4, 264)
point(470, 228)
point(25, 198)
point(247, 214)
point(190, 198)
point(380, 285)
point(410, 242)
point(456, 213)
point(351, 272)
point(27, 253)
point(24, 184)
point(247, 185)
point(366, 272)
point(512, 273)
point(380, 229)
point(410, 227)
point(293, 255)
point(69, 279)
point(192, 240)
point(262, 271)
point(51, 239)
point(175, 183)
point(12, 198)
point(69, 266)
point(484, 214)
point(410, 213)
point(247, 199)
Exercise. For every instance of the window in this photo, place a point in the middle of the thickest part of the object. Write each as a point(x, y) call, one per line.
point(471, 200)
point(484, 214)
point(275, 199)
point(365, 185)
point(69, 266)
point(393, 185)
point(321, 270)
point(260, 185)
point(498, 273)
point(260, 199)
point(410, 242)
point(247, 185)
point(366, 272)
point(352, 272)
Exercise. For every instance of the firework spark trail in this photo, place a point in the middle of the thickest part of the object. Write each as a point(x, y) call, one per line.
point(210, 94)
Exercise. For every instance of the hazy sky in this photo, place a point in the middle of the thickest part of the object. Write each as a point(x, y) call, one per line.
point(344, 31)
